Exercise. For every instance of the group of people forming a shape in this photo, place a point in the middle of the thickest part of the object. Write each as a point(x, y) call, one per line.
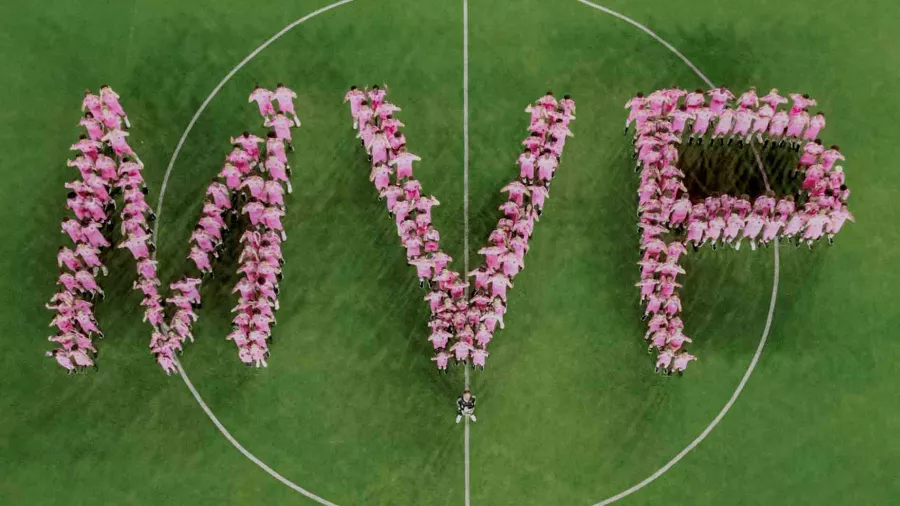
point(468, 319)
point(664, 206)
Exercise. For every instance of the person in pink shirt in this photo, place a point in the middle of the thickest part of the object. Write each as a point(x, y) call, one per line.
point(680, 362)
point(830, 156)
point(94, 129)
point(724, 126)
point(733, 226)
point(657, 101)
point(274, 193)
point(285, 97)
point(87, 282)
point(776, 129)
point(664, 360)
point(275, 148)
point(546, 165)
point(811, 153)
point(279, 172)
point(801, 102)
point(378, 148)
point(461, 349)
point(634, 105)
point(441, 360)
point(752, 228)
point(816, 124)
point(696, 232)
point(548, 101)
point(111, 100)
point(249, 143)
point(91, 259)
point(680, 118)
point(89, 148)
point(719, 97)
point(67, 257)
point(748, 99)
point(742, 121)
point(773, 99)
point(91, 232)
point(796, 125)
point(674, 251)
point(282, 125)
point(526, 163)
point(695, 100)
point(92, 103)
point(263, 99)
point(770, 229)
point(702, 118)
point(356, 98)
point(478, 357)
point(116, 139)
point(761, 124)
point(404, 161)
point(837, 221)
point(815, 227)
point(376, 95)
point(714, 229)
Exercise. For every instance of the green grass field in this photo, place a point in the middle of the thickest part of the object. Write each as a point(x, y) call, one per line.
point(570, 412)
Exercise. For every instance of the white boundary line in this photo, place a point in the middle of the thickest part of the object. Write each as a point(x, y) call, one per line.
point(240, 448)
point(762, 342)
point(162, 192)
point(466, 439)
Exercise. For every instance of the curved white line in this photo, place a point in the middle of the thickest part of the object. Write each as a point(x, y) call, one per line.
point(162, 192)
point(240, 448)
point(762, 342)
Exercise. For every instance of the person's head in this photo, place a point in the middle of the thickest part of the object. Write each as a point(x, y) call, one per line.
point(549, 93)
point(104, 87)
point(256, 86)
point(279, 85)
point(698, 90)
point(375, 87)
point(770, 193)
point(567, 97)
point(352, 88)
point(467, 394)
point(789, 198)
point(87, 92)
point(745, 197)
point(640, 94)
point(752, 88)
point(819, 142)
point(82, 137)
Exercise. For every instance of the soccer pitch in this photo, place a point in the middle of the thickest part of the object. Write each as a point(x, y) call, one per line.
point(350, 407)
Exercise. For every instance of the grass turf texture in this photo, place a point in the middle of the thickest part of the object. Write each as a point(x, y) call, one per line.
point(570, 412)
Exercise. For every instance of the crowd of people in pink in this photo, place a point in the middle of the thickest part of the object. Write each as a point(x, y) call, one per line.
point(670, 219)
point(106, 164)
point(246, 180)
point(468, 319)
